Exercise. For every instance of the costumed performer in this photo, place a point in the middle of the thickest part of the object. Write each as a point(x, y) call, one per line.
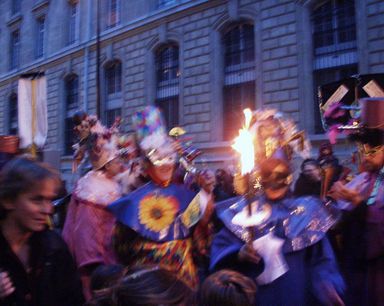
point(362, 201)
point(275, 239)
point(89, 225)
point(156, 222)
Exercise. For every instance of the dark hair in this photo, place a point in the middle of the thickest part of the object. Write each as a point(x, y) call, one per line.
point(152, 286)
point(106, 276)
point(228, 288)
point(22, 175)
point(309, 161)
point(372, 137)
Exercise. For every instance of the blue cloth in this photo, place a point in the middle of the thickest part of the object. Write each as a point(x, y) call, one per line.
point(127, 210)
point(301, 221)
point(309, 268)
point(311, 263)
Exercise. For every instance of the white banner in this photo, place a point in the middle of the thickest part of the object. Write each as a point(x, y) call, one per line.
point(32, 111)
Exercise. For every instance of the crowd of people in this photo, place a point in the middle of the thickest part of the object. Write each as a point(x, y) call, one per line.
point(144, 227)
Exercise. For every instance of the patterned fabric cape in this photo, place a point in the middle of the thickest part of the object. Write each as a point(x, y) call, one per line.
point(301, 221)
point(160, 214)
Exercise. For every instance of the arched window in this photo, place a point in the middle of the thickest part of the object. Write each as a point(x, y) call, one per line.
point(113, 94)
point(167, 83)
point(71, 106)
point(334, 45)
point(239, 76)
point(13, 126)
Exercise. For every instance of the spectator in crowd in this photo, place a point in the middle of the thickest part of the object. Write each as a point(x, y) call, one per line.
point(153, 286)
point(330, 167)
point(309, 181)
point(227, 288)
point(36, 266)
point(103, 279)
point(224, 186)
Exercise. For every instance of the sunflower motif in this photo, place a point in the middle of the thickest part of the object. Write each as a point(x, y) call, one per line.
point(157, 212)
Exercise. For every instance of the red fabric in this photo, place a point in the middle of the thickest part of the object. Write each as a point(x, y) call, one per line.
point(88, 232)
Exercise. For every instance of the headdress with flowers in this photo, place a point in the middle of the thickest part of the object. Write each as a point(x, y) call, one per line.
point(97, 142)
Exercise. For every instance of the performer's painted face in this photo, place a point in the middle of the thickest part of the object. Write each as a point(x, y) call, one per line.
point(373, 157)
point(161, 164)
point(161, 175)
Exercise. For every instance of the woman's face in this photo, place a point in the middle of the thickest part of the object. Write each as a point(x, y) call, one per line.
point(30, 211)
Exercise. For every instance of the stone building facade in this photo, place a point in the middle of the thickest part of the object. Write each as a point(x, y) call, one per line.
point(200, 60)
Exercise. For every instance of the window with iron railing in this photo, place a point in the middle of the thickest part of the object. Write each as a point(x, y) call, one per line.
point(71, 106)
point(334, 46)
point(14, 51)
point(239, 90)
point(13, 125)
point(167, 83)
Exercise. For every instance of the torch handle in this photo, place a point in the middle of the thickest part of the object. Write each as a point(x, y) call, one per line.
point(249, 196)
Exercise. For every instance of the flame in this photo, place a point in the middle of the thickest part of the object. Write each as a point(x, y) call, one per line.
point(244, 145)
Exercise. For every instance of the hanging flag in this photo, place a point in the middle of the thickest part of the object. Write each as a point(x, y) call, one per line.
point(32, 106)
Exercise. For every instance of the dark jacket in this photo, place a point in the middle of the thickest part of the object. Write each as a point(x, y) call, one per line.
point(305, 186)
point(52, 279)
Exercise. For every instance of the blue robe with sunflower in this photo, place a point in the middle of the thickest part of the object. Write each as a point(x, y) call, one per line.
point(155, 226)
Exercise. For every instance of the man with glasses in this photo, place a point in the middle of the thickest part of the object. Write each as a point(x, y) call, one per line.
point(362, 200)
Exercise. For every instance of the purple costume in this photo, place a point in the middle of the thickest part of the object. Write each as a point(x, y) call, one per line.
point(88, 227)
point(362, 254)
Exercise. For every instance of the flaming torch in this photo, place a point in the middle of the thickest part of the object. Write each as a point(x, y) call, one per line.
point(243, 144)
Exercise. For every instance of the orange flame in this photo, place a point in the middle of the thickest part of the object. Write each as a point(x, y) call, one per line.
point(244, 145)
